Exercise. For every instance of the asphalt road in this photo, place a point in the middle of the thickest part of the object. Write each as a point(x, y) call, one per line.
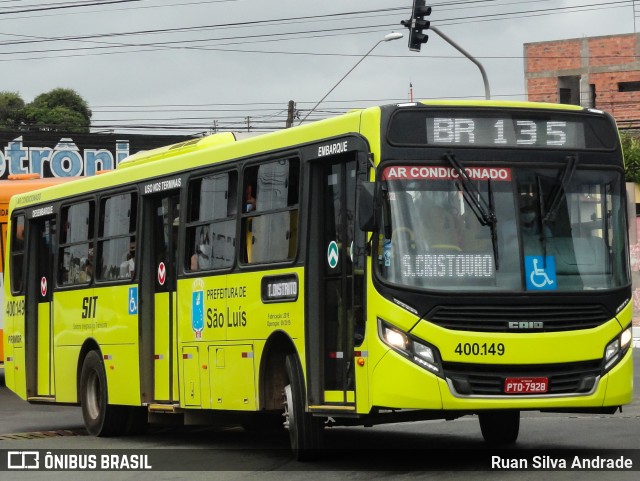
point(428, 449)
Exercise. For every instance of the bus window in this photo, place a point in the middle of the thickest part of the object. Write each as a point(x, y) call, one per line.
point(117, 240)
point(211, 230)
point(17, 255)
point(76, 236)
point(271, 234)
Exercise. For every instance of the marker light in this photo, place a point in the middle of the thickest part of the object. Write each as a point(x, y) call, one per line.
point(625, 338)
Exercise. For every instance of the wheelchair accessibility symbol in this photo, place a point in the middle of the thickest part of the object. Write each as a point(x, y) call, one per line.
point(541, 273)
point(133, 300)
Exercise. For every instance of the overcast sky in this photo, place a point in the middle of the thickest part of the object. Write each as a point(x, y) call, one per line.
point(187, 63)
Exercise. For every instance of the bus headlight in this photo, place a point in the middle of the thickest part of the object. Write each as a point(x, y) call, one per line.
point(616, 349)
point(418, 351)
point(395, 338)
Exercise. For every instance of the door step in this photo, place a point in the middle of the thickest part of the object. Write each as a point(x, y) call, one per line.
point(164, 408)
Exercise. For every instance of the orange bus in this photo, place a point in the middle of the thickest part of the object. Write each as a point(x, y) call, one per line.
point(16, 184)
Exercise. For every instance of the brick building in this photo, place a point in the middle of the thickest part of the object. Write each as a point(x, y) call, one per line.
point(600, 72)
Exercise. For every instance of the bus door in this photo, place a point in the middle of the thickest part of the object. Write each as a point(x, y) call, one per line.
point(158, 280)
point(39, 308)
point(335, 290)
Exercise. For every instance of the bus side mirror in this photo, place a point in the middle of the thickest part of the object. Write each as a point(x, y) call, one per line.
point(366, 206)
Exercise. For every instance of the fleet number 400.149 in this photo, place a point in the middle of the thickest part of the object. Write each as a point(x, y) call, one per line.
point(480, 349)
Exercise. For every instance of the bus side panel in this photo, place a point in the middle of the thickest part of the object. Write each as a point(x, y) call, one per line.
point(399, 383)
point(65, 373)
point(15, 369)
point(620, 382)
point(72, 327)
point(191, 377)
point(115, 329)
point(123, 373)
point(363, 395)
point(226, 336)
point(231, 371)
point(16, 373)
point(104, 316)
point(253, 316)
point(73, 319)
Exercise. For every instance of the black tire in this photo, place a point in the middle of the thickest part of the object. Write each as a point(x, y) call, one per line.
point(261, 422)
point(138, 421)
point(305, 431)
point(500, 427)
point(100, 418)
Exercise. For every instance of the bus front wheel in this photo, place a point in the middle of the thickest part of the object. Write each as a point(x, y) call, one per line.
point(100, 418)
point(500, 427)
point(305, 431)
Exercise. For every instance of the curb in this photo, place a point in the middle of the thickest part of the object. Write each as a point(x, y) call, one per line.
point(636, 337)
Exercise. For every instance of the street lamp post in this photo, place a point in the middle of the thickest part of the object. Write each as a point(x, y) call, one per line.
point(485, 79)
point(387, 38)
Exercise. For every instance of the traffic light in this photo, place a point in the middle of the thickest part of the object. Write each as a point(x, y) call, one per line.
point(416, 24)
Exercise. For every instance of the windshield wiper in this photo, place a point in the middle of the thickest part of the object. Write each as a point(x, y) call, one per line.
point(548, 215)
point(483, 210)
point(559, 192)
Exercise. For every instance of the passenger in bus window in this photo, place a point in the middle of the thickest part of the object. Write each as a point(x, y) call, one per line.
point(201, 259)
point(19, 238)
point(86, 273)
point(530, 221)
point(127, 266)
point(250, 200)
point(131, 259)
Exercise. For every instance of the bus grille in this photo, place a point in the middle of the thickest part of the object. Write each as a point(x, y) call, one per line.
point(503, 318)
point(488, 380)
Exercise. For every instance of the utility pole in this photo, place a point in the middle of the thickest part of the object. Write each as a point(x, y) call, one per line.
point(290, 112)
point(248, 124)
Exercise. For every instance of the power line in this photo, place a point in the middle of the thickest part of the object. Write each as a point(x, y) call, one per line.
point(268, 37)
point(65, 5)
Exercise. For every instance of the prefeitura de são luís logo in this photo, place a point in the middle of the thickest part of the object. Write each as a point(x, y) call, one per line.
point(197, 307)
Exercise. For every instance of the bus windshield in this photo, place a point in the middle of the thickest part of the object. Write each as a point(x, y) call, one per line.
point(515, 229)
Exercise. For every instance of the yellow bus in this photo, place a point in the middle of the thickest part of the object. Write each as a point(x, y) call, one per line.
point(15, 184)
point(420, 261)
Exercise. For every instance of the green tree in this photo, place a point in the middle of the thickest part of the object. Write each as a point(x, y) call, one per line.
point(58, 110)
point(11, 110)
point(631, 150)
